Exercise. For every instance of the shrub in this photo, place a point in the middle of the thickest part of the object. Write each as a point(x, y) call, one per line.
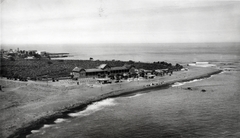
point(49, 62)
point(11, 58)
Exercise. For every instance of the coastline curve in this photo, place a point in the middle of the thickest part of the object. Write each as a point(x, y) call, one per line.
point(63, 113)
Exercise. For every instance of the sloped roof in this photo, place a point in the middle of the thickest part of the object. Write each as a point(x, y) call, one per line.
point(77, 69)
point(119, 68)
point(103, 66)
point(128, 66)
point(94, 70)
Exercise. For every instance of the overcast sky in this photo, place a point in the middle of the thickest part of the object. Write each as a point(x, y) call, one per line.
point(119, 21)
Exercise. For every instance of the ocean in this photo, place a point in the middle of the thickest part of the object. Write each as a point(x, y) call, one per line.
point(169, 52)
point(172, 112)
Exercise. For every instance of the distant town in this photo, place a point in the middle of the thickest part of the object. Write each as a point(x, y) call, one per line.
point(29, 54)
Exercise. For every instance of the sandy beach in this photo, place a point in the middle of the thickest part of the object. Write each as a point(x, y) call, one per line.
point(26, 105)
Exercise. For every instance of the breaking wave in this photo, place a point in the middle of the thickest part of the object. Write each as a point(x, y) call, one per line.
point(60, 120)
point(47, 126)
point(183, 83)
point(136, 95)
point(35, 131)
point(202, 64)
point(94, 107)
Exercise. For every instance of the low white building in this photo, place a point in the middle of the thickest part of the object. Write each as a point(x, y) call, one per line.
point(41, 52)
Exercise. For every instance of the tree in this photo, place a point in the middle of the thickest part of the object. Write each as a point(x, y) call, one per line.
point(12, 58)
point(48, 57)
point(37, 56)
point(49, 62)
point(131, 62)
point(31, 53)
point(118, 77)
point(142, 73)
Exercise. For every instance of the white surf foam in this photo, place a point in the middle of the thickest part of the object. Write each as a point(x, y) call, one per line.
point(208, 65)
point(94, 107)
point(202, 64)
point(60, 120)
point(47, 126)
point(35, 131)
point(136, 95)
point(183, 83)
point(178, 84)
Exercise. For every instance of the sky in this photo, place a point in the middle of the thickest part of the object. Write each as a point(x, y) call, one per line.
point(119, 21)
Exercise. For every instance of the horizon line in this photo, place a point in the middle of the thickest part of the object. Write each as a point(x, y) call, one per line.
point(120, 43)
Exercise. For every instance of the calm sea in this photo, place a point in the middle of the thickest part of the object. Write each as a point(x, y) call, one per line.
point(179, 52)
point(172, 112)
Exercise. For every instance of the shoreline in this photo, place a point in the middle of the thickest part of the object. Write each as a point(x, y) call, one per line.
point(81, 105)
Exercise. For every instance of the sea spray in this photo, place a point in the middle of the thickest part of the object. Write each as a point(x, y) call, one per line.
point(94, 107)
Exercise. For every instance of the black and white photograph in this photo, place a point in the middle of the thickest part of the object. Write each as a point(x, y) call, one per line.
point(120, 69)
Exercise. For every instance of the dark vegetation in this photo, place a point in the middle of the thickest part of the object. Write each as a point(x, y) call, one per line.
point(36, 69)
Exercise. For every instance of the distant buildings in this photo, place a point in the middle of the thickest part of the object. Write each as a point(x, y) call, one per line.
point(101, 71)
point(41, 53)
point(58, 55)
point(30, 54)
point(126, 71)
